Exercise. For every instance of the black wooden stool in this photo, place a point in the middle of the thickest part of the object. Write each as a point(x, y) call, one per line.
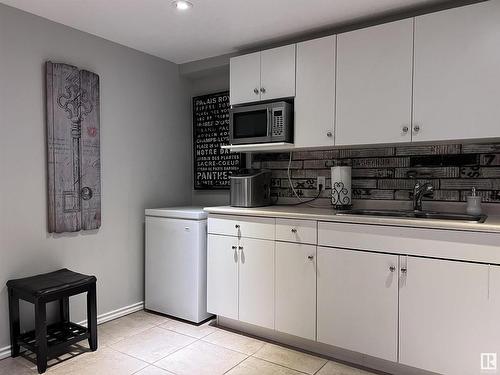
point(47, 341)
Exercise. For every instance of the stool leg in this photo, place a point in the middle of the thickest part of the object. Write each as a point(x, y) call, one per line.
point(41, 336)
point(15, 328)
point(92, 316)
point(64, 309)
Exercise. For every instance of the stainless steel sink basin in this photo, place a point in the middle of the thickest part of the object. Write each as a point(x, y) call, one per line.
point(417, 215)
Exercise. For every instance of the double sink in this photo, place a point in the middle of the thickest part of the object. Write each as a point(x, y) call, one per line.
point(416, 214)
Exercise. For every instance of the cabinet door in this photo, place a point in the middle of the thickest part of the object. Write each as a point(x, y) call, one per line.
point(374, 84)
point(256, 282)
point(493, 329)
point(244, 78)
point(443, 315)
point(296, 289)
point(457, 79)
point(358, 301)
point(315, 96)
point(222, 276)
point(278, 72)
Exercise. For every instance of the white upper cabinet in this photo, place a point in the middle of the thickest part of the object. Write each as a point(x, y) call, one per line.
point(244, 78)
point(315, 93)
point(457, 75)
point(374, 84)
point(277, 78)
point(430, 78)
point(264, 75)
point(444, 310)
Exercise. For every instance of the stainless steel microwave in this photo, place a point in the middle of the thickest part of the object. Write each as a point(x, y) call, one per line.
point(261, 123)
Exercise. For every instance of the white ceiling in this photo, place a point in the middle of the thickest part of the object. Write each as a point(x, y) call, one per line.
point(211, 27)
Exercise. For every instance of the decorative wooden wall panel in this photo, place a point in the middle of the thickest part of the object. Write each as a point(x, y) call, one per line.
point(73, 145)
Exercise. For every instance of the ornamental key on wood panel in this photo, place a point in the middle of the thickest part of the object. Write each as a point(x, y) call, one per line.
point(73, 146)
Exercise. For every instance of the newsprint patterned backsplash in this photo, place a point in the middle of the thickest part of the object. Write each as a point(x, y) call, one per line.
point(391, 172)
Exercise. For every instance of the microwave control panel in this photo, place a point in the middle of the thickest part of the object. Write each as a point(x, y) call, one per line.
point(277, 122)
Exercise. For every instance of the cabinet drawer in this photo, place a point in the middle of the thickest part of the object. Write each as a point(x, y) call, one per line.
point(242, 226)
point(445, 244)
point(301, 231)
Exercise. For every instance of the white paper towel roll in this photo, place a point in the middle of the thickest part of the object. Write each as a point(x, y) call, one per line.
point(341, 187)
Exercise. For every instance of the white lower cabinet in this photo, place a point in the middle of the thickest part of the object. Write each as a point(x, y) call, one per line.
point(493, 345)
point(240, 279)
point(222, 275)
point(296, 289)
point(446, 311)
point(256, 282)
point(358, 301)
point(437, 315)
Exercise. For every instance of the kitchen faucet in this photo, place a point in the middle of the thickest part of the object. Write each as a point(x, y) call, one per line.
point(419, 191)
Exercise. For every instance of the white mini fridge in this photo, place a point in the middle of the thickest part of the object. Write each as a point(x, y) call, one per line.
point(176, 262)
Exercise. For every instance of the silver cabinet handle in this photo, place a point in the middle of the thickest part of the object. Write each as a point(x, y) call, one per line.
point(310, 257)
point(392, 268)
point(256, 91)
point(404, 270)
point(416, 128)
point(240, 247)
point(294, 230)
point(405, 129)
point(237, 226)
point(263, 90)
point(233, 247)
point(329, 134)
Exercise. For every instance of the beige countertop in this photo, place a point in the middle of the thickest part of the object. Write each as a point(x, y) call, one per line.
point(491, 225)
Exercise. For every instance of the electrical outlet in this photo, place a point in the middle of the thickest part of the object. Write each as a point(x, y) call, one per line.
point(321, 181)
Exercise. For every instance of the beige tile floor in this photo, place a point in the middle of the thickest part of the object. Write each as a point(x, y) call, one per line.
point(149, 344)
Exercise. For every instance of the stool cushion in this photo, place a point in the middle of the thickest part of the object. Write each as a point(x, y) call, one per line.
point(51, 282)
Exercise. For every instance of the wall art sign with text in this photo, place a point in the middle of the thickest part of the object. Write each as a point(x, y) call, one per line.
point(73, 145)
point(212, 165)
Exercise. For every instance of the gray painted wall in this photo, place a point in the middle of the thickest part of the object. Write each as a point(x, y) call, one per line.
point(212, 81)
point(145, 127)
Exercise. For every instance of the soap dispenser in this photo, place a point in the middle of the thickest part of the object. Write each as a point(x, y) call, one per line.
point(474, 203)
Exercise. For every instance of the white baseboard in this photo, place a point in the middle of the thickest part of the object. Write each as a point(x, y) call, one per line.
point(103, 318)
point(5, 352)
point(118, 313)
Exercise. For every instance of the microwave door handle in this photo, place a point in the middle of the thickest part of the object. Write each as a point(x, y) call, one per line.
point(269, 124)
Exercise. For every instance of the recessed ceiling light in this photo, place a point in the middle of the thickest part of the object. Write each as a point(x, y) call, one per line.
point(182, 4)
